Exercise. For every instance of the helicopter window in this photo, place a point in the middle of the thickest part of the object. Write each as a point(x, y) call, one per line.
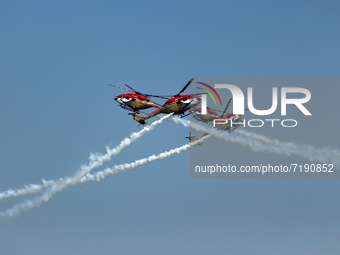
point(127, 97)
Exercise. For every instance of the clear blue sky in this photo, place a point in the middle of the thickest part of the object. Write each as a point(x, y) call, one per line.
point(55, 108)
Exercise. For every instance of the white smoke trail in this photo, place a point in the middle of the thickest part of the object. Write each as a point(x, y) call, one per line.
point(177, 120)
point(122, 167)
point(330, 152)
point(96, 160)
point(265, 144)
point(77, 179)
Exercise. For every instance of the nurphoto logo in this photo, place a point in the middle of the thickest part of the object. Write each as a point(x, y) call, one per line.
point(238, 100)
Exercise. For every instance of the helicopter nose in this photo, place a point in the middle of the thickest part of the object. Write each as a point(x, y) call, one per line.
point(116, 98)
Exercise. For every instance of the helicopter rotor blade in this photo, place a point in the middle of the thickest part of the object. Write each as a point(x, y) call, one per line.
point(148, 95)
point(133, 89)
point(119, 87)
point(214, 109)
point(138, 93)
point(185, 87)
point(225, 110)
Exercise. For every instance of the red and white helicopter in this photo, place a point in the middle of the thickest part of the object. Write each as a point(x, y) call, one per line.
point(208, 117)
point(178, 105)
point(135, 101)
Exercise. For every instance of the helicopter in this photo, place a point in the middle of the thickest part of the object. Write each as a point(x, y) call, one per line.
point(135, 101)
point(177, 104)
point(209, 116)
point(225, 122)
